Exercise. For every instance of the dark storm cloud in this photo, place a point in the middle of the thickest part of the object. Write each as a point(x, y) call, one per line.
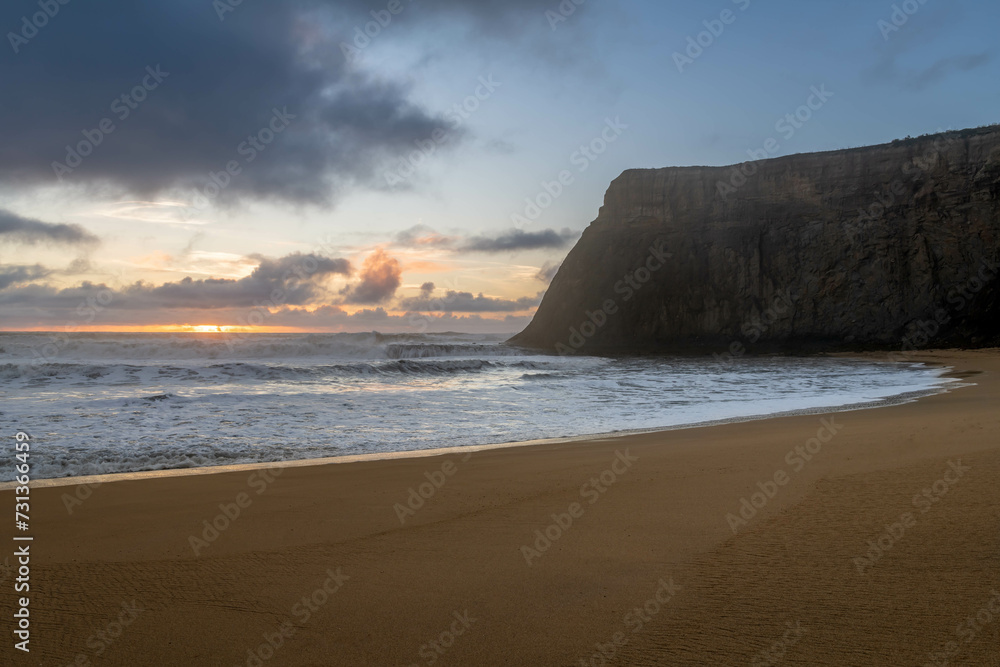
point(207, 86)
point(466, 302)
point(518, 239)
point(16, 229)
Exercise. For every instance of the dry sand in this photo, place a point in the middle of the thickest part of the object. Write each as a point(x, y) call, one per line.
point(788, 582)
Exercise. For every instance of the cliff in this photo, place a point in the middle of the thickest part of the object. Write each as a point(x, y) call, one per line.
point(889, 247)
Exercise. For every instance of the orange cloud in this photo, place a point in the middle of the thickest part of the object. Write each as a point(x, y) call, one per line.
point(424, 266)
point(380, 278)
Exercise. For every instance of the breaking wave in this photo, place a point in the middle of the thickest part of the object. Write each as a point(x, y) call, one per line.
point(129, 402)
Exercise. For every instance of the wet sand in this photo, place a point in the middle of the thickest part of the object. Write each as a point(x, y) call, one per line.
point(869, 537)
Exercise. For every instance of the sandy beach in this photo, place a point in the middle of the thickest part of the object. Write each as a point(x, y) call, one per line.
point(869, 537)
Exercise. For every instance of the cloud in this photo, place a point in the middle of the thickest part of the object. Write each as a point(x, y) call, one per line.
point(78, 266)
point(886, 69)
point(466, 302)
point(915, 41)
point(547, 272)
point(917, 81)
point(280, 287)
point(189, 248)
point(17, 229)
point(518, 239)
point(422, 236)
point(380, 278)
point(218, 85)
point(74, 311)
point(333, 318)
point(14, 275)
point(300, 267)
point(296, 279)
point(501, 147)
point(513, 240)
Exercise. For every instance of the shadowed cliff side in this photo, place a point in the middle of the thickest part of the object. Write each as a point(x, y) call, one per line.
point(889, 247)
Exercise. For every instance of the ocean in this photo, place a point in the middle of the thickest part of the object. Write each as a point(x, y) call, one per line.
point(125, 402)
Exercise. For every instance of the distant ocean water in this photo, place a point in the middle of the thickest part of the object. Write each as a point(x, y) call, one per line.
point(102, 403)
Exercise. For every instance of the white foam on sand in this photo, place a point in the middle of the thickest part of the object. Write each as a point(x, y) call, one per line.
point(128, 403)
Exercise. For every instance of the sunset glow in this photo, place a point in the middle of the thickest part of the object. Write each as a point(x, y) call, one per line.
point(492, 333)
point(437, 200)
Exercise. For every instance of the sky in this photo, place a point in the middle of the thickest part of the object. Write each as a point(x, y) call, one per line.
point(395, 165)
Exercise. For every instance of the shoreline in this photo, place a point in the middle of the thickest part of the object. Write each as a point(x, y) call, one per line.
point(898, 399)
point(546, 552)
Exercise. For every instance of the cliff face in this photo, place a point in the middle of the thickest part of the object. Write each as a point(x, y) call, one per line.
point(893, 247)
